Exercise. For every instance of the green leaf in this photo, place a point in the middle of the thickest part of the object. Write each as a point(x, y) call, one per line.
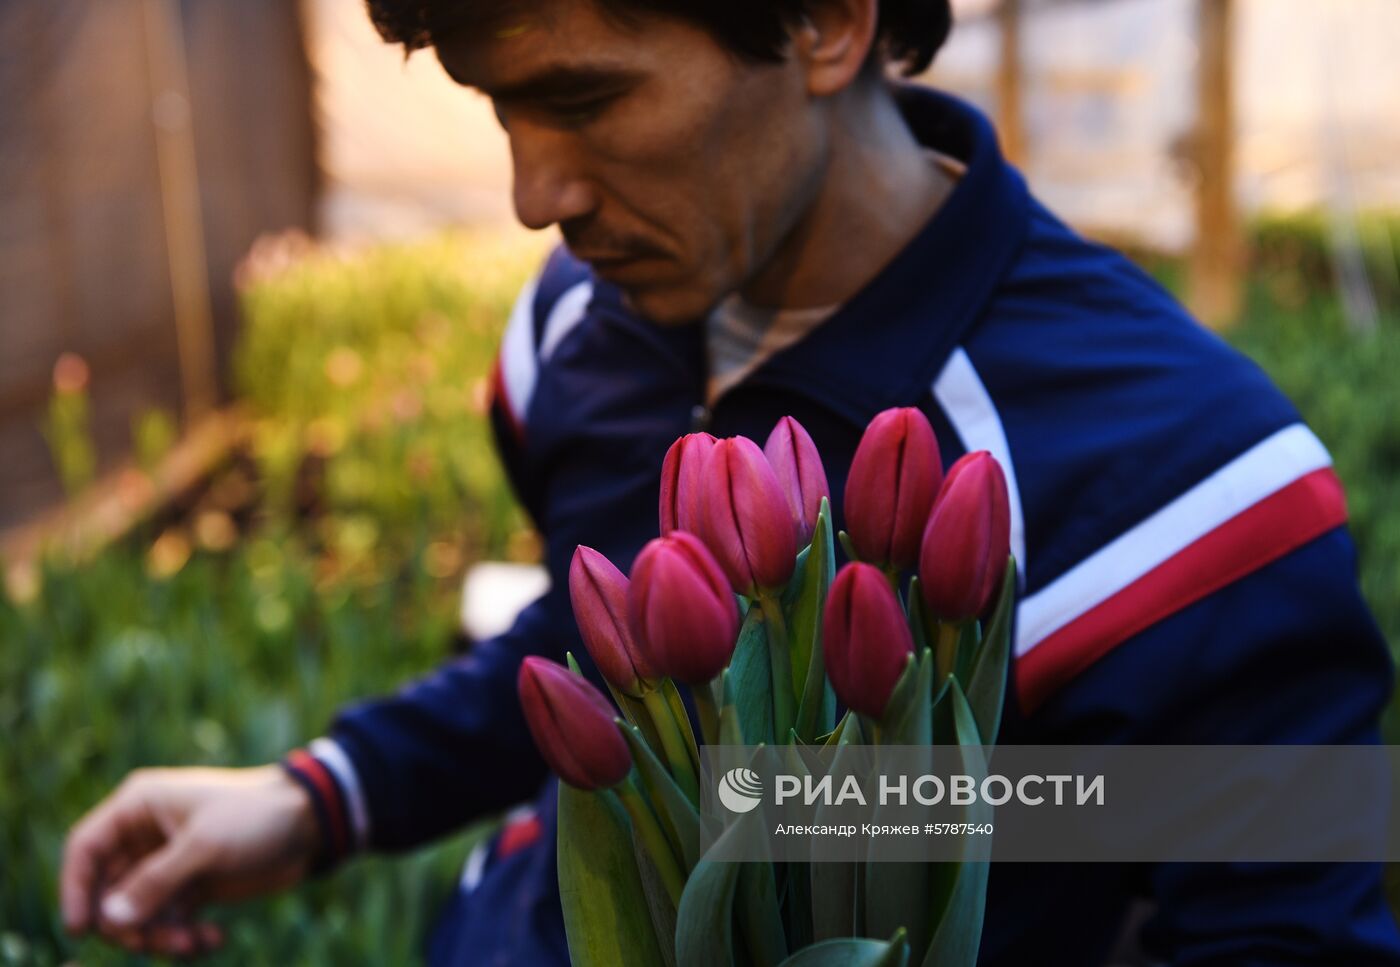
point(959, 898)
point(750, 681)
point(759, 915)
point(676, 811)
point(682, 717)
point(705, 921)
point(847, 731)
point(834, 899)
point(606, 915)
point(794, 598)
point(853, 952)
point(898, 894)
point(847, 546)
point(986, 684)
point(817, 704)
point(634, 710)
point(659, 905)
point(910, 722)
point(968, 640)
point(944, 731)
point(731, 731)
point(914, 609)
point(903, 694)
point(795, 899)
point(837, 888)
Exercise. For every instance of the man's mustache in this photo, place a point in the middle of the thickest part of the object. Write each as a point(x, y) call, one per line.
point(592, 242)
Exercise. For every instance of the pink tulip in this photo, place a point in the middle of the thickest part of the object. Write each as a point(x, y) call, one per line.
point(967, 539)
point(573, 725)
point(893, 480)
point(599, 594)
point(800, 473)
point(865, 638)
point(680, 482)
point(681, 610)
point(747, 524)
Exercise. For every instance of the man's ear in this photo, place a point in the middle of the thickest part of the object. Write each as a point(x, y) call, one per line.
point(833, 42)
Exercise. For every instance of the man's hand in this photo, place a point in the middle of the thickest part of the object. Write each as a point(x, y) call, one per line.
point(139, 866)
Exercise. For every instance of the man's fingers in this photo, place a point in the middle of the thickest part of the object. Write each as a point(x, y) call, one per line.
point(154, 881)
point(172, 931)
point(75, 886)
point(91, 848)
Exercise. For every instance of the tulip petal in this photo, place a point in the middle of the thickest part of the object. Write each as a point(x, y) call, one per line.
point(893, 479)
point(681, 610)
point(920, 474)
point(967, 540)
point(573, 725)
point(798, 466)
point(679, 507)
point(748, 526)
point(598, 591)
point(865, 637)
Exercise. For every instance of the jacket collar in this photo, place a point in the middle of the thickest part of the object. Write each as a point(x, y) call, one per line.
point(886, 344)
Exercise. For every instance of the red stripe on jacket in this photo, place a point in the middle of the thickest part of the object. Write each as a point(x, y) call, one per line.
point(311, 767)
point(1282, 522)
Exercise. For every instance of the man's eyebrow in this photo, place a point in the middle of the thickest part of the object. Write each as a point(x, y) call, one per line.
point(562, 81)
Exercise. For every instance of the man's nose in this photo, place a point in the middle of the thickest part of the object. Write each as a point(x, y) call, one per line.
point(549, 187)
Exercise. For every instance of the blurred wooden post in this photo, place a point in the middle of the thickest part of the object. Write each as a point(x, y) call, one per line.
point(181, 206)
point(1010, 120)
point(1217, 261)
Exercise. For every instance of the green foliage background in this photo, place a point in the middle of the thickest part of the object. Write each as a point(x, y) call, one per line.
point(367, 488)
point(370, 484)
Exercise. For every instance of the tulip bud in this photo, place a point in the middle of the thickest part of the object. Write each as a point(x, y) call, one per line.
point(680, 482)
point(681, 610)
point(747, 524)
point(893, 480)
point(573, 725)
point(800, 473)
point(599, 594)
point(865, 638)
point(967, 539)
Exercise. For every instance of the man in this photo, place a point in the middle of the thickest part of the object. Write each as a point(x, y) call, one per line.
point(759, 223)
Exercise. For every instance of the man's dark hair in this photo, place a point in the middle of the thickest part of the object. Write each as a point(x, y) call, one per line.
point(911, 31)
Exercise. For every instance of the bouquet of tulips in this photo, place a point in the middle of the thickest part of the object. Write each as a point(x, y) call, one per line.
point(738, 602)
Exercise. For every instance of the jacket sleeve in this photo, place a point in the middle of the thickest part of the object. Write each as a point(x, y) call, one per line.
point(1290, 655)
point(1286, 655)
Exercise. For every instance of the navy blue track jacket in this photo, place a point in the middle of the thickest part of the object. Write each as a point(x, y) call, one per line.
point(1186, 572)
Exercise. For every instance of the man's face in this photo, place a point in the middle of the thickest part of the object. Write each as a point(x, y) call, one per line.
point(672, 166)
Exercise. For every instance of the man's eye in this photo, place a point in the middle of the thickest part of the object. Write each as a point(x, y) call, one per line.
point(570, 111)
point(577, 110)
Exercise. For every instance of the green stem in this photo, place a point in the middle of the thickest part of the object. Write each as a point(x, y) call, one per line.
point(946, 650)
point(781, 663)
point(673, 743)
point(892, 575)
point(645, 822)
point(708, 711)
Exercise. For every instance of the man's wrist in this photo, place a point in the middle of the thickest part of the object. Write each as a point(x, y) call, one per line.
point(304, 830)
